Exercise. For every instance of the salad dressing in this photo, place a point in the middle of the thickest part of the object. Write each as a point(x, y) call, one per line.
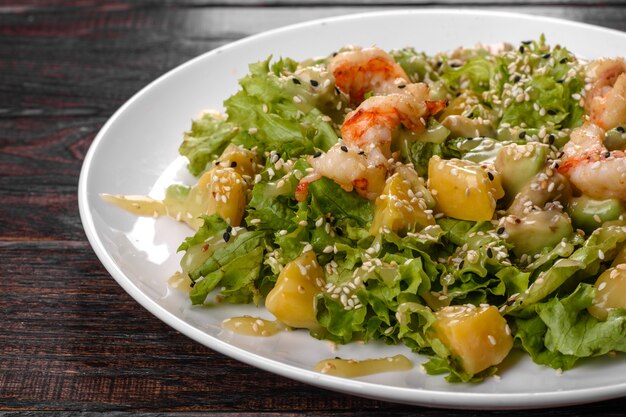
point(139, 205)
point(180, 281)
point(350, 368)
point(252, 326)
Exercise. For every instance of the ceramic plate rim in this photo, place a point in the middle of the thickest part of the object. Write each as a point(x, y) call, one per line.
point(365, 389)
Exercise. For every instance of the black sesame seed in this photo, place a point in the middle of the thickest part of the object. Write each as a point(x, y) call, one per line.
point(226, 236)
point(317, 154)
point(489, 253)
point(522, 135)
point(462, 264)
point(563, 60)
point(551, 139)
point(526, 42)
point(295, 80)
point(500, 230)
point(344, 148)
point(336, 90)
point(546, 56)
point(233, 164)
point(510, 302)
point(229, 229)
point(551, 112)
point(314, 83)
point(361, 152)
point(335, 54)
point(556, 166)
point(607, 154)
point(192, 284)
point(620, 129)
point(517, 78)
point(560, 155)
point(521, 49)
point(401, 86)
point(490, 175)
point(560, 81)
point(339, 232)
point(217, 163)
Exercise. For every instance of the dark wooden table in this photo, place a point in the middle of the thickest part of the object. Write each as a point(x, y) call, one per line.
point(70, 338)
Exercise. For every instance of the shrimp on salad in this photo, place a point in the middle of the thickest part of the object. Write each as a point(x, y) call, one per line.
point(587, 161)
point(360, 162)
point(606, 101)
point(360, 71)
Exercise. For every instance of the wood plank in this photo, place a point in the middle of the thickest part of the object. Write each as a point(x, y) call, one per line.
point(71, 339)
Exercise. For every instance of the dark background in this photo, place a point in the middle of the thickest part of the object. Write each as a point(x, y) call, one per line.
point(70, 338)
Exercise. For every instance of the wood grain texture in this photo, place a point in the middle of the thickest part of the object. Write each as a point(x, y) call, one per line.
point(72, 342)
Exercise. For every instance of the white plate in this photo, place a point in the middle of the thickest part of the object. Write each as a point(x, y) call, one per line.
point(136, 153)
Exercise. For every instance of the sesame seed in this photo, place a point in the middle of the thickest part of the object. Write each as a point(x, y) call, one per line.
point(226, 236)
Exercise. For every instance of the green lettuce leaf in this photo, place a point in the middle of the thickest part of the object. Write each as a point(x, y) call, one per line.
point(269, 118)
point(235, 266)
point(563, 331)
point(206, 140)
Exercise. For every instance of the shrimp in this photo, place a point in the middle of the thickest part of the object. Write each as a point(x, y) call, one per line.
point(349, 167)
point(590, 167)
point(360, 162)
point(360, 71)
point(374, 122)
point(606, 101)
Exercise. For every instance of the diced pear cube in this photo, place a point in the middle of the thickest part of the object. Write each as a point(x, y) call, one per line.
point(292, 300)
point(223, 190)
point(610, 292)
point(241, 159)
point(464, 190)
point(398, 209)
point(479, 336)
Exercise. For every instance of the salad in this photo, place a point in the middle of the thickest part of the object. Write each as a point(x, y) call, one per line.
point(464, 204)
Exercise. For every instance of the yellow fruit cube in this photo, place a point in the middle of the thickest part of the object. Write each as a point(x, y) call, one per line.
point(399, 209)
point(464, 190)
point(292, 300)
point(479, 336)
point(610, 292)
point(221, 191)
point(241, 159)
